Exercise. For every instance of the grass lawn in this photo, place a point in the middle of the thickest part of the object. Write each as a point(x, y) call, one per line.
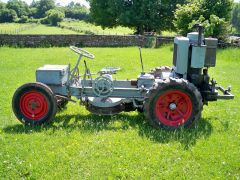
point(81, 145)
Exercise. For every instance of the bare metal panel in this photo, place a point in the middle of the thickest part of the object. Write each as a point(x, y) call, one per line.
point(181, 51)
point(52, 74)
point(210, 59)
point(198, 56)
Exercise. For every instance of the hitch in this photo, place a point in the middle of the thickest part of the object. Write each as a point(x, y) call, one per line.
point(226, 93)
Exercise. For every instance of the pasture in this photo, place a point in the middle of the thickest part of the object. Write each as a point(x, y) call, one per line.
point(86, 28)
point(81, 145)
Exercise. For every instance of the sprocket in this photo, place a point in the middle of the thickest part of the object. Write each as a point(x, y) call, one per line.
point(103, 86)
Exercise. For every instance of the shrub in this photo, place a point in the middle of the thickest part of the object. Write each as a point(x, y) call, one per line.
point(7, 15)
point(53, 17)
point(207, 12)
point(23, 19)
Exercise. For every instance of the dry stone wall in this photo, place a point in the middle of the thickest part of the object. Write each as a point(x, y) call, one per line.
point(82, 40)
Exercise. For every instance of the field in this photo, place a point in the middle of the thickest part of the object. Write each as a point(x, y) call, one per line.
point(81, 145)
point(44, 29)
point(14, 28)
point(73, 27)
point(67, 27)
point(88, 28)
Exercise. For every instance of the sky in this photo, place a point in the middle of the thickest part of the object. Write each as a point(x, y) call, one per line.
point(62, 2)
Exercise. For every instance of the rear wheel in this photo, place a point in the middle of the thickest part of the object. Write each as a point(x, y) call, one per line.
point(34, 104)
point(172, 104)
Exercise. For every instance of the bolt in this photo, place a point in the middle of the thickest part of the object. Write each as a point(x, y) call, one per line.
point(172, 106)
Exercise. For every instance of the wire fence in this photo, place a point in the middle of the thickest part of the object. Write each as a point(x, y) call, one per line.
point(18, 30)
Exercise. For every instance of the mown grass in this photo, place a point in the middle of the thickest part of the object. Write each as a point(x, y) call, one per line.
point(81, 145)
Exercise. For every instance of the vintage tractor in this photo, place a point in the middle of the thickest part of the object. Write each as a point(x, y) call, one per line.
point(170, 98)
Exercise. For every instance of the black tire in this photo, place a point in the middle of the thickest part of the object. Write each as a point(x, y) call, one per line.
point(173, 104)
point(34, 104)
point(159, 70)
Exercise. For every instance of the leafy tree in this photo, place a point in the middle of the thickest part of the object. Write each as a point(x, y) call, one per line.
point(42, 7)
point(214, 14)
point(215, 26)
point(20, 7)
point(54, 17)
point(7, 15)
point(142, 15)
point(76, 11)
point(236, 17)
point(2, 5)
point(23, 19)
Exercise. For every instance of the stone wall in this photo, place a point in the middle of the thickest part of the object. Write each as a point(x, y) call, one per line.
point(82, 40)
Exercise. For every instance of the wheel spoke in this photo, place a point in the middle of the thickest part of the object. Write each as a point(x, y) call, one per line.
point(168, 115)
point(179, 112)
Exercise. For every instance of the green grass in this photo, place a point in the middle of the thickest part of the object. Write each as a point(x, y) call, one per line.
point(68, 27)
point(14, 28)
point(44, 29)
point(81, 145)
point(87, 28)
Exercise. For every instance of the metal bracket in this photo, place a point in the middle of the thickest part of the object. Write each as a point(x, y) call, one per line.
point(67, 98)
point(226, 93)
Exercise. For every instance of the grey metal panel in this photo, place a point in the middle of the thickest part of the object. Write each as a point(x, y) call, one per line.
point(117, 84)
point(210, 59)
point(182, 54)
point(193, 37)
point(198, 56)
point(52, 74)
point(117, 92)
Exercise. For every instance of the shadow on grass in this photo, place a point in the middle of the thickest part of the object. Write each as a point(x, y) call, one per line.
point(92, 123)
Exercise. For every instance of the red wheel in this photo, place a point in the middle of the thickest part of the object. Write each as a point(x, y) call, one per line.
point(172, 104)
point(34, 104)
point(173, 108)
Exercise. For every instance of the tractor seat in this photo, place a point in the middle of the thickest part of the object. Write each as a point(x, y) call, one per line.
point(109, 70)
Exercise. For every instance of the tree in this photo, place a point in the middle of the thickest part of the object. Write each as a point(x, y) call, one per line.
point(236, 17)
point(43, 6)
point(7, 15)
point(76, 11)
point(214, 14)
point(2, 5)
point(20, 7)
point(142, 15)
point(54, 17)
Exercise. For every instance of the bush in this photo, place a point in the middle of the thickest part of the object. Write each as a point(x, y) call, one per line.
point(53, 17)
point(236, 17)
point(206, 12)
point(214, 27)
point(23, 19)
point(7, 15)
point(184, 15)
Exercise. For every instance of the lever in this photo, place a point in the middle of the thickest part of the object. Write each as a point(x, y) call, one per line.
point(140, 50)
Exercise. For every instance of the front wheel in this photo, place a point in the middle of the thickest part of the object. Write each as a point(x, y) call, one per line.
point(34, 104)
point(172, 104)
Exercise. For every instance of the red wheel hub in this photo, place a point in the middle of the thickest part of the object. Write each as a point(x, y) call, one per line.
point(34, 105)
point(173, 108)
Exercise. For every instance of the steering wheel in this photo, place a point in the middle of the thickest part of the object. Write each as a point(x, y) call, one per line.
point(82, 52)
